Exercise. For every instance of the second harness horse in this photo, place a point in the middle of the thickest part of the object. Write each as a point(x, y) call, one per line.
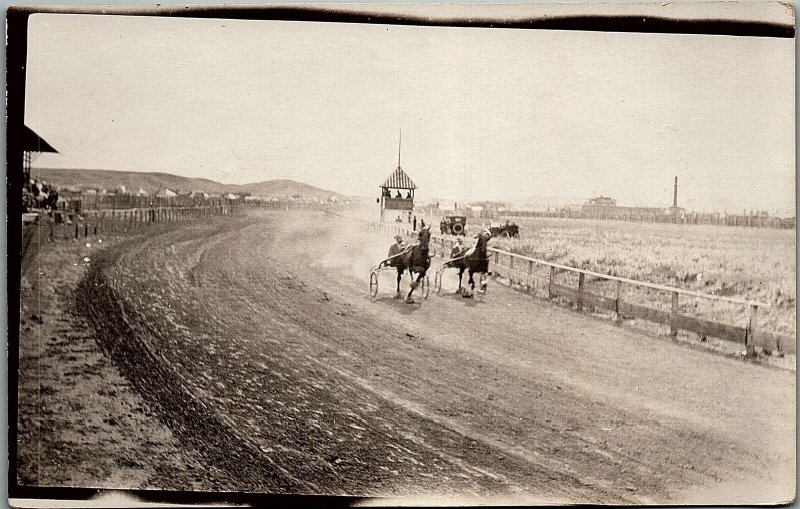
point(416, 259)
point(474, 260)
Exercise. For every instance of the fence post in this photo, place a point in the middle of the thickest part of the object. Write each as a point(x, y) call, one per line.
point(752, 327)
point(550, 282)
point(511, 269)
point(530, 274)
point(86, 228)
point(673, 316)
point(77, 233)
point(581, 278)
point(618, 301)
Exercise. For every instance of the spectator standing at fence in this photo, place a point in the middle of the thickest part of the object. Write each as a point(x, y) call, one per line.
point(414, 227)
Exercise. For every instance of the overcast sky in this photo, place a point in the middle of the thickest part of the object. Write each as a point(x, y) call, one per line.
point(485, 113)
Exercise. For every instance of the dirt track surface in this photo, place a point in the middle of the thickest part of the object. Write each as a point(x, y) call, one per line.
point(80, 422)
point(256, 340)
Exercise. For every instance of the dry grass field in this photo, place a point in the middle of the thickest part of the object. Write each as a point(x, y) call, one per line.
point(747, 263)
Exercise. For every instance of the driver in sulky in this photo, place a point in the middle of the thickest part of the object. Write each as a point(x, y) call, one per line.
point(457, 252)
point(395, 249)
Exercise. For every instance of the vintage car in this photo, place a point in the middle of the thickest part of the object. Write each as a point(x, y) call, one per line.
point(508, 229)
point(453, 225)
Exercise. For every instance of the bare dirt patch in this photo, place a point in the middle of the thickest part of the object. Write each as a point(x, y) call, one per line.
point(80, 423)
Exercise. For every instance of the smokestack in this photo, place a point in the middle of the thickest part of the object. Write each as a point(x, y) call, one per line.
point(675, 195)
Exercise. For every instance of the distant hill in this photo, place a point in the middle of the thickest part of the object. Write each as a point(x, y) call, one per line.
point(151, 182)
point(283, 188)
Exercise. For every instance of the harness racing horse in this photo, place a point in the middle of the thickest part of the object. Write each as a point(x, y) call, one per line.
point(416, 260)
point(475, 260)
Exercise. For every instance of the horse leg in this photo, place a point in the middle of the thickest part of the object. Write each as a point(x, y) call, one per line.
point(460, 278)
point(468, 293)
point(399, 278)
point(414, 285)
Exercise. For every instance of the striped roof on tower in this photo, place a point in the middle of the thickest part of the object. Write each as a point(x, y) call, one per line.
point(399, 180)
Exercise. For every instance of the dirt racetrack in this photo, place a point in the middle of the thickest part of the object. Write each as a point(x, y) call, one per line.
point(255, 338)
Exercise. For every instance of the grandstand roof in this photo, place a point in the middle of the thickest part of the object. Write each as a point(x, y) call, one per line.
point(399, 180)
point(32, 142)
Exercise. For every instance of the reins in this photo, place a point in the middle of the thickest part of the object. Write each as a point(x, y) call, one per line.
point(406, 250)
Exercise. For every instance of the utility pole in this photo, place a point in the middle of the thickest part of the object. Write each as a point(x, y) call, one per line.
point(675, 195)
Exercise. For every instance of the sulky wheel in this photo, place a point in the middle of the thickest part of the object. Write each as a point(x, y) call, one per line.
point(373, 283)
point(483, 283)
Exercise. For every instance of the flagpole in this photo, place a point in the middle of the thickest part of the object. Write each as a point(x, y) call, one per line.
point(399, 144)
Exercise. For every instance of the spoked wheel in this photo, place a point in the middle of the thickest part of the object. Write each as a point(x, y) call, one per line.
point(373, 283)
point(426, 287)
point(437, 281)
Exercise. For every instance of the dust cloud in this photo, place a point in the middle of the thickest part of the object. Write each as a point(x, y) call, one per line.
point(338, 244)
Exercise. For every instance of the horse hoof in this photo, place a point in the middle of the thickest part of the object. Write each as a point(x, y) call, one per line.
point(460, 290)
point(466, 295)
point(409, 300)
point(398, 295)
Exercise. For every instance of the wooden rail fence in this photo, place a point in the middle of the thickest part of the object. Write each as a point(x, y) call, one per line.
point(520, 271)
point(44, 228)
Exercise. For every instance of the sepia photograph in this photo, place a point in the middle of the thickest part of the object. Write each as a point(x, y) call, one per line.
point(402, 254)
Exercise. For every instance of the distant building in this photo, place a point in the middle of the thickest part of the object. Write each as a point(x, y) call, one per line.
point(603, 201)
point(600, 205)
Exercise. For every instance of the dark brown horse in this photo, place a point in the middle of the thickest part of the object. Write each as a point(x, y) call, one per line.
point(416, 260)
point(474, 260)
